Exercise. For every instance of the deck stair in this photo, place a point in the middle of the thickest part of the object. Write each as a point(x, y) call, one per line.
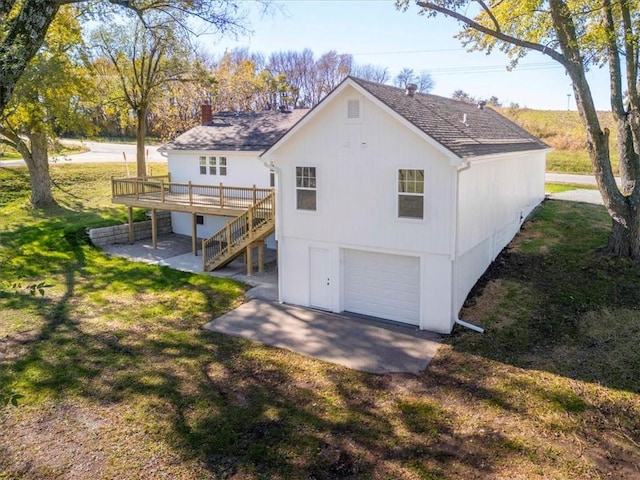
point(240, 234)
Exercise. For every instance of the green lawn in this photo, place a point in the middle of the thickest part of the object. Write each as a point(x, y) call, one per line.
point(574, 161)
point(121, 381)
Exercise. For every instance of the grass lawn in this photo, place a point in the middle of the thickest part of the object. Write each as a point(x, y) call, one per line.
point(565, 187)
point(575, 161)
point(120, 380)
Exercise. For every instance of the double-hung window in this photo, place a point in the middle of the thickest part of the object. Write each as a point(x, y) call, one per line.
point(213, 165)
point(306, 188)
point(410, 193)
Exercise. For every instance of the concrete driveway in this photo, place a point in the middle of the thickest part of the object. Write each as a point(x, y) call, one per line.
point(359, 343)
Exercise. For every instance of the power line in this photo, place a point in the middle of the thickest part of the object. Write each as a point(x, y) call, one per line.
point(473, 70)
point(400, 52)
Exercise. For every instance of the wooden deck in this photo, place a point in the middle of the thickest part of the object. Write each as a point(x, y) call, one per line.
point(159, 193)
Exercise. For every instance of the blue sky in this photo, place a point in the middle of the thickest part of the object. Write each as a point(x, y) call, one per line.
point(373, 31)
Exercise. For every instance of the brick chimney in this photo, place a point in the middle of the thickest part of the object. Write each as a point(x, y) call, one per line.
point(207, 115)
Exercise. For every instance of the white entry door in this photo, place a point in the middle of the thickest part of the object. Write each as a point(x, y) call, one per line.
point(382, 285)
point(319, 278)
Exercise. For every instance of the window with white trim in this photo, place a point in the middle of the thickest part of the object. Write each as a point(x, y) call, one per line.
point(306, 188)
point(410, 193)
point(272, 179)
point(213, 165)
point(199, 219)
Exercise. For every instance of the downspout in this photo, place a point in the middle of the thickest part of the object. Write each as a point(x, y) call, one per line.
point(454, 248)
point(471, 326)
point(271, 166)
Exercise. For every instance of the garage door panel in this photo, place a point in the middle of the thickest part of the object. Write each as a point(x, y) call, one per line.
point(382, 285)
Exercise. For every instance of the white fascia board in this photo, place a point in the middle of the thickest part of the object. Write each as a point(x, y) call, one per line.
point(220, 153)
point(499, 156)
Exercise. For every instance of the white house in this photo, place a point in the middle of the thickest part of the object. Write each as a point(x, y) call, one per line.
point(392, 203)
point(226, 150)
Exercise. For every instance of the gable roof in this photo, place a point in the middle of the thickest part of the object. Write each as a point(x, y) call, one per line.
point(460, 128)
point(237, 131)
point(484, 131)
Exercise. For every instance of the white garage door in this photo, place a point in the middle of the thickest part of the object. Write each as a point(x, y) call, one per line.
point(381, 285)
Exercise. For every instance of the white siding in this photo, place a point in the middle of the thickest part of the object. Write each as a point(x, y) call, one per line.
point(498, 193)
point(357, 169)
point(182, 224)
point(244, 169)
point(494, 197)
point(294, 257)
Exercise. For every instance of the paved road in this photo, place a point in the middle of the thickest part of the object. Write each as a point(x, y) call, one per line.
point(100, 153)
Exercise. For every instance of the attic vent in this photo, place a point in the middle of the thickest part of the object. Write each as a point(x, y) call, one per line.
point(353, 109)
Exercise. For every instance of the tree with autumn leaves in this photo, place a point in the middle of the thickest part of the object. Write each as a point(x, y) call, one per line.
point(24, 29)
point(578, 34)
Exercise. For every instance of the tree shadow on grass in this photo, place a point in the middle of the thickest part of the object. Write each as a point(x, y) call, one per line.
point(228, 407)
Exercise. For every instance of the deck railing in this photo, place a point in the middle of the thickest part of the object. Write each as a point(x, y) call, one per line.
point(239, 233)
point(159, 189)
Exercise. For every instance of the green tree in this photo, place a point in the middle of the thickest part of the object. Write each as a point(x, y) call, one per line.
point(39, 107)
point(577, 35)
point(146, 57)
point(24, 25)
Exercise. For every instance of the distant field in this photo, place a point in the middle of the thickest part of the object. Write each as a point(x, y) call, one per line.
point(562, 131)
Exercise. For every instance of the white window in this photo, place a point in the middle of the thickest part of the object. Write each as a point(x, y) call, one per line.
point(203, 165)
point(410, 193)
point(199, 219)
point(223, 165)
point(306, 188)
point(212, 165)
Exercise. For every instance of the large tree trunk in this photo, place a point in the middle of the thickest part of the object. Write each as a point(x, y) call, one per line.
point(624, 241)
point(622, 205)
point(37, 161)
point(22, 41)
point(141, 134)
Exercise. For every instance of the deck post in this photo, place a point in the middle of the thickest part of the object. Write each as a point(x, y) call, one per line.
point(154, 229)
point(190, 193)
point(261, 257)
point(254, 194)
point(221, 195)
point(250, 223)
point(249, 260)
point(204, 255)
point(161, 191)
point(194, 234)
point(132, 235)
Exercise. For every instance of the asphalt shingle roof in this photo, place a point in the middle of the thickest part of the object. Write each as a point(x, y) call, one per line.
point(238, 131)
point(460, 127)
